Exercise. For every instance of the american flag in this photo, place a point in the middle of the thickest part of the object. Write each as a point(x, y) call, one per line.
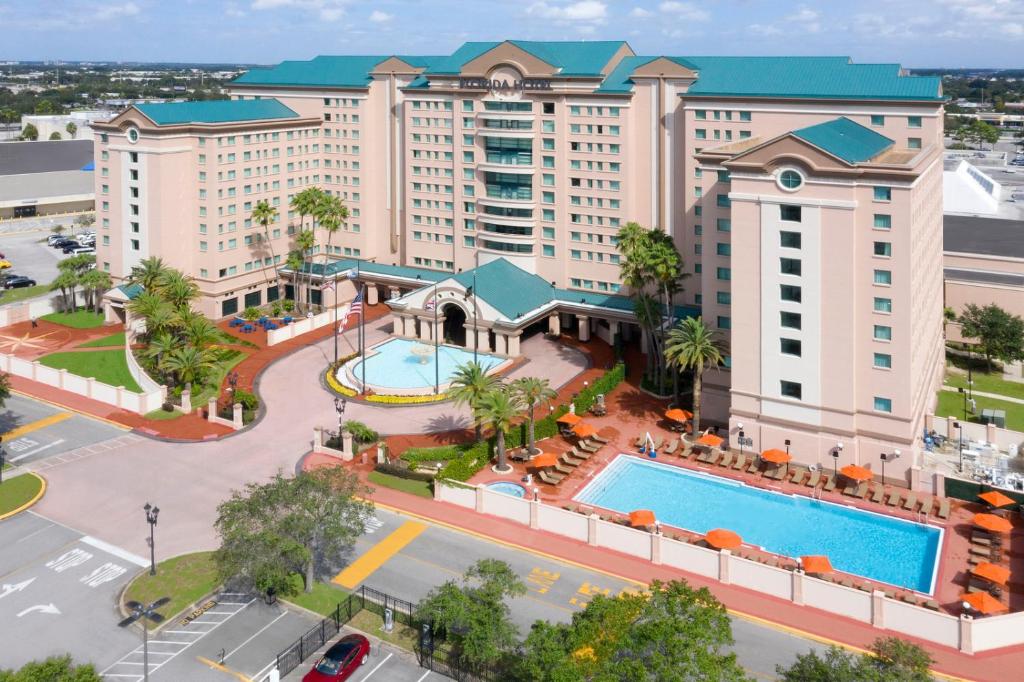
point(353, 308)
point(431, 304)
point(329, 286)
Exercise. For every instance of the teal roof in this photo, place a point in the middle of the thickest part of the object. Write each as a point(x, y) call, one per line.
point(808, 77)
point(336, 267)
point(619, 79)
point(571, 57)
point(509, 289)
point(215, 111)
point(346, 71)
point(131, 291)
point(845, 139)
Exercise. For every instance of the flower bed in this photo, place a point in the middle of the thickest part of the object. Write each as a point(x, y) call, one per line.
point(379, 398)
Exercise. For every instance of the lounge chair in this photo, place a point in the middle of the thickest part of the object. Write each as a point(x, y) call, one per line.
point(704, 456)
point(943, 512)
point(715, 456)
point(599, 438)
point(588, 446)
point(927, 504)
point(815, 479)
point(910, 502)
point(980, 551)
point(573, 452)
point(562, 469)
point(658, 442)
point(741, 461)
point(894, 498)
point(672, 447)
point(931, 604)
point(878, 494)
point(639, 441)
point(776, 473)
point(830, 483)
point(727, 459)
point(851, 488)
point(549, 478)
point(799, 474)
point(570, 460)
point(862, 490)
point(754, 466)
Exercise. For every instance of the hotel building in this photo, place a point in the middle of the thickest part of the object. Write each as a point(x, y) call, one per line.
point(804, 194)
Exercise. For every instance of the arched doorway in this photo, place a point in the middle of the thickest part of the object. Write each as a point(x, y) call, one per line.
point(454, 325)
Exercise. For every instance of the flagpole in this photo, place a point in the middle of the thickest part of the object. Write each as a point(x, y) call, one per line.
point(362, 332)
point(437, 367)
point(476, 334)
point(335, 327)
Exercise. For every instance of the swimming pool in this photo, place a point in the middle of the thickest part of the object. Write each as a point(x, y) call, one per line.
point(878, 547)
point(392, 366)
point(507, 487)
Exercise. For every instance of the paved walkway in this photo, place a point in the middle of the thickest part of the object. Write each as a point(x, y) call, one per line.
point(995, 396)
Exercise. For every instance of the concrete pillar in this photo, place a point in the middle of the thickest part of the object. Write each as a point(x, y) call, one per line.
point(951, 433)
point(554, 325)
point(483, 339)
point(437, 490)
point(592, 530)
point(89, 381)
point(318, 438)
point(534, 514)
point(513, 344)
point(479, 499)
point(471, 335)
point(878, 609)
point(236, 416)
point(584, 322)
point(372, 294)
point(393, 292)
point(62, 375)
point(186, 401)
point(929, 422)
point(501, 344)
point(939, 484)
point(656, 538)
point(966, 639)
point(347, 451)
point(382, 453)
point(915, 478)
point(424, 329)
point(35, 367)
point(798, 587)
point(990, 432)
point(613, 331)
point(723, 566)
point(211, 409)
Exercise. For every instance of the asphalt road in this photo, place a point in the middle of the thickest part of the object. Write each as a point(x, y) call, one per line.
point(34, 430)
point(29, 256)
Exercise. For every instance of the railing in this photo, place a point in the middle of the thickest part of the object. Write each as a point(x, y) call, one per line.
point(292, 657)
point(506, 124)
point(511, 159)
point(505, 192)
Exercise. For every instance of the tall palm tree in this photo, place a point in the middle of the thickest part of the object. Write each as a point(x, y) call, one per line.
point(304, 242)
point(178, 289)
point(305, 204)
point(264, 214)
point(695, 346)
point(294, 263)
point(190, 365)
point(66, 282)
point(199, 332)
point(159, 348)
point(95, 283)
point(331, 214)
point(468, 384)
point(532, 391)
point(148, 272)
point(498, 408)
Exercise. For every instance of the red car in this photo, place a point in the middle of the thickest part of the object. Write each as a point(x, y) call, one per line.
point(341, 660)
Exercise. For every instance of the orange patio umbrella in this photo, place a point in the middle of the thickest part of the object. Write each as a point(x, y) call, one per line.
point(816, 564)
point(544, 459)
point(996, 499)
point(720, 538)
point(776, 456)
point(569, 419)
point(678, 415)
point(710, 441)
point(857, 473)
point(641, 517)
point(984, 603)
point(584, 430)
point(991, 522)
point(991, 572)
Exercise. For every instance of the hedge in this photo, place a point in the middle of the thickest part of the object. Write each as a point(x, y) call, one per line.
point(440, 453)
point(403, 472)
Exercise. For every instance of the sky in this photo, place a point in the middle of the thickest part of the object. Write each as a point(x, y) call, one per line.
point(916, 33)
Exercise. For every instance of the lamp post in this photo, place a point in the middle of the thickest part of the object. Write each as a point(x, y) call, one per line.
point(963, 392)
point(144, 612)
point(788, 443)
point(151, 514)
point(3, 459)
point(836, 451)
point(960, 429)
point(741, 436)
point(339, 407)
point(887, 457)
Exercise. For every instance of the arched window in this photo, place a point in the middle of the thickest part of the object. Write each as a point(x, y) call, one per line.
point(790, 179)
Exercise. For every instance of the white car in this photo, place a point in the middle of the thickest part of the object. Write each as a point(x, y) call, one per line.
point(83, 249)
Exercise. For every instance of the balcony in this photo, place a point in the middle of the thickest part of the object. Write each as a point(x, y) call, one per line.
point(510, 192)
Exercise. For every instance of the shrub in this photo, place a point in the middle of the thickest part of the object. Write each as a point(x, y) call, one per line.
point(251, 314)
point(472, 460)
point(247, 399)
point(441, 453)
point(403, 472)
point(360, 431)
point(288, 305)
point(275, 308)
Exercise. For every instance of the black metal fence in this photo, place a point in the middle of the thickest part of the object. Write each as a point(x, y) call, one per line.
point(304, 647)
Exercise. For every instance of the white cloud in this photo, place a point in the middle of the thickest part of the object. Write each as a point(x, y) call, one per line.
point(640, 13)
point(764, 30)
point(591, 11)
point(379, 17)
point(114, 11)
point(684, 10)
point(233, 10)
point(326, 10)
point(1013, 29)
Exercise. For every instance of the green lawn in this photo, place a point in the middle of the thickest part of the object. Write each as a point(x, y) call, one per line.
point(371, 623)
point(988, 383)
point(323, 598)
point(951, 403)
point(229, 358)
point(15, 295)
point(116, 339)
point(185, 579)
point(162, 415)
point(108, 366)
point(81, 319)
point(406, 485)
point(16, 491)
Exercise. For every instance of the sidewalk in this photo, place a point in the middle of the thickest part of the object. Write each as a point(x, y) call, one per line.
point(994, 396)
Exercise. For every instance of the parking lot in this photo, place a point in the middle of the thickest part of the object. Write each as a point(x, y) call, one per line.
point(30, 257)
point(33, 431)
point(386, 664)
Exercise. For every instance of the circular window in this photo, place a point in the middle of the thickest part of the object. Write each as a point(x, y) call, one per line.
point(791, 179)
point(133, 135)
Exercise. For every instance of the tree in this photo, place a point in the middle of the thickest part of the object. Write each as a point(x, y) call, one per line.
point(55, 135)
point(1000, 335)
point(331, 213)
point(533, 391)
point(57, 229)
point(198, 331)
point(190, 364)
point(473, 615)
point(304, 242)
point(53, 669)
point(305, 203)
point(66, 282)
point(5, 388)
point(8, 115)
point(95, 283)
point(85, 220)
point(273, 530)
point(263, 214)
point(72, 129)
point(674, 632)
point(498, 408)
point(889, 659)
point(30, 132)
point(177, 288)
point(468, 383)
point(158, 349)
point(695, 346)
point(148, 272)
point(44, 107)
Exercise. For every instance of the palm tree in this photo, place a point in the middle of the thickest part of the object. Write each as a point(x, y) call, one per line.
point(498, 408)
point(158, 313)
point(148, 272)
point(304, 242)
point(331, 213)
point(468, 384)
point(294, 263)
point(533, 391)
point(695, 346)
point(305, 203)
point(96, 283)
point(159, 348)
point(264, 214)
point(66, 282)
point(177, 288)
point(199, 332)
point(190, 364)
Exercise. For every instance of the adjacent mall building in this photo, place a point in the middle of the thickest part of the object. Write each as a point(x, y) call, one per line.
point(804, 194)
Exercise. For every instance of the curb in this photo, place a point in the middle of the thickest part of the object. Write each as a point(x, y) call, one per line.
point(144, 571)
point(38, 495)
point(53, 403)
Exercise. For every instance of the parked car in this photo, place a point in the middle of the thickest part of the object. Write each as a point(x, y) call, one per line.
point(55, 238)
point(63, 243)
point(4, 264)
point(77, 249)
point(341, 660)
point(18, 282)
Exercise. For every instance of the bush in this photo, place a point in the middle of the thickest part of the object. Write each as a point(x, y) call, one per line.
point(360, 431)
point(441, 453)
point(403, 472)
point(472, 460)
point(251, 314)
point(247, 399)
point(276, 308)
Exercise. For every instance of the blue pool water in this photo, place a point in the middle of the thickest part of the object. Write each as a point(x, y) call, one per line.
point(508, 488)
point(878, 547)
point(394, 366)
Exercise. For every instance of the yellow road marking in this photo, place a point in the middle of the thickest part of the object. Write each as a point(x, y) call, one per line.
point(224, 669)
point(72, 409)
point(36, 425)
point(376, 556)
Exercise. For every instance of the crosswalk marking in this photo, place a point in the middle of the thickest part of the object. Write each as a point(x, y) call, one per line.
point(70, 559)
point(104, 574)
point(372, 525)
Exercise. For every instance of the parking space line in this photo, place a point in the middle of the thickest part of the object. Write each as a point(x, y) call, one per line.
point(258, 633)
point(378, 555)
point(36, 532)
point(36, 425)
point(424, 676)
point(377, 667)
point(181, 632)
point(223, 668)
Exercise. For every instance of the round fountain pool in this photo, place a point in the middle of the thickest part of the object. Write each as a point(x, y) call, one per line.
point(508, 488)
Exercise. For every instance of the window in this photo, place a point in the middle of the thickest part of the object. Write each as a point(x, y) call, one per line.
point(723, 176)
point(723, 249)
point(790, 179)
point(791, 389)
point(883, 221)
point(723, 201)
point(723, 224)
point(789, 240)
point(724, 322)
point(883, 249)
point(790, 266)
point(877, 120)
point(883, 193)
point(548, 250)
point(883, 361)
point(549, 107)
point(744, 115)
point(700, 115)
point(700, 133)
point(135, 244)
point(913, 121)
point(883, 277)
point(788, 292)
point(883, 305)
point(723, 273)
point(913, 143)
point(723, 298)
point(790, 347)
point(883, 404)
point(883, 332)
point(790, 320)
point(790, 214)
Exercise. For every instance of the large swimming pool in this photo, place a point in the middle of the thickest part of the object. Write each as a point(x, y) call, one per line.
point(393, 365)
point(878, 547)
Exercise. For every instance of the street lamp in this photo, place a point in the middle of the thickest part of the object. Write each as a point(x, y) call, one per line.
point(963, 392)
point(741, 435)
point(836, 451)
point(887, 457)
point(144, 612)
point(339, 407)
point(960, 429)
point(151, 514)
point(788, 443)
